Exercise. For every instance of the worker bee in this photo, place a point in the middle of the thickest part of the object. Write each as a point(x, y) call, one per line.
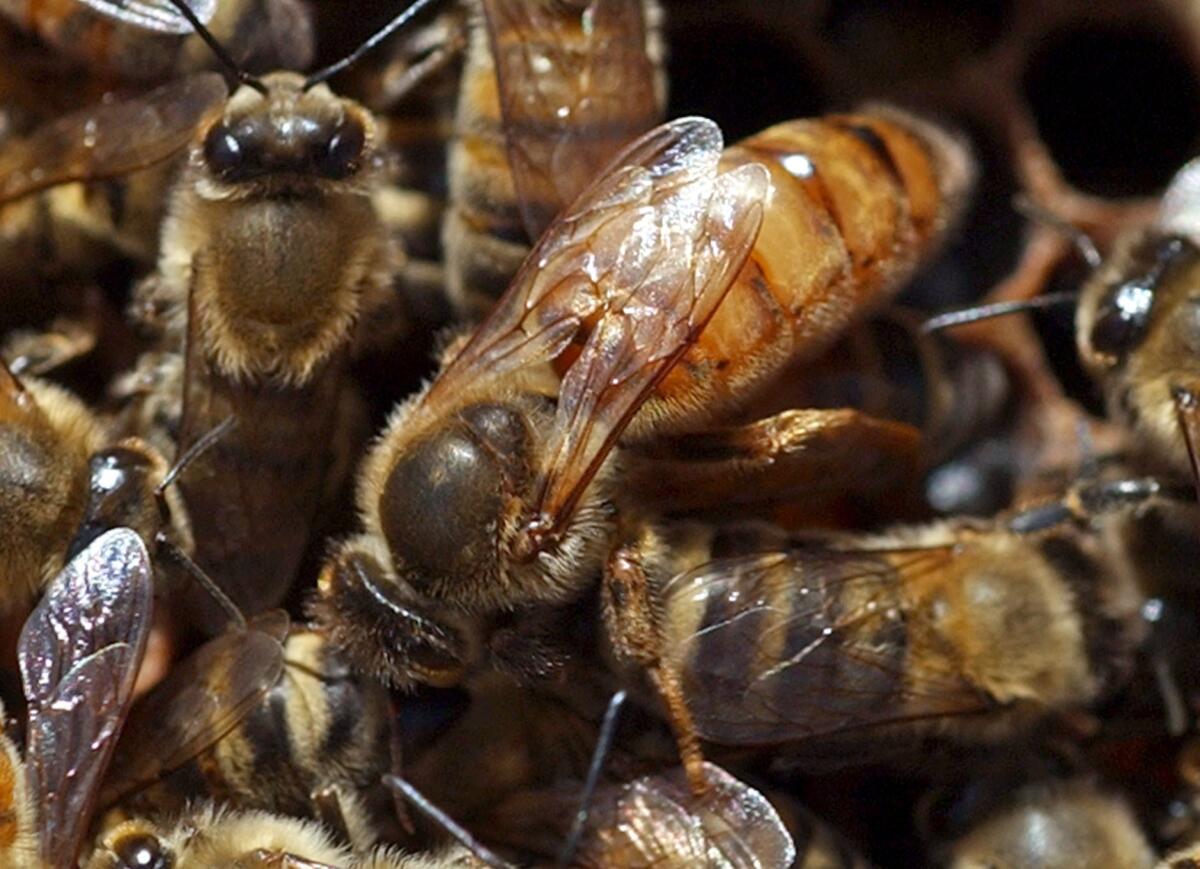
point(46, 438)
point(148, 40)
point(550, 92)
point(526, 794)
point(1134, 325)
point(79, 653)
point(208, 837)
point(632, 319)
point(957, 630)
point(1135, 330)
point(276, 184)
point(262, 719)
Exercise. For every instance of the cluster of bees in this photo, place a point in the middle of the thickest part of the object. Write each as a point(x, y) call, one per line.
point(482, 471)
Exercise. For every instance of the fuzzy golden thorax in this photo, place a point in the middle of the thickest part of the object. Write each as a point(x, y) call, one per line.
point(272, 238)
point(451, 496)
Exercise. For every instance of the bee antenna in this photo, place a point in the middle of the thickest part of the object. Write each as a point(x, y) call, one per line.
point(608, 729)
point(202, 445)
point(167, 547)
point(217, 49)
point(1039, 213)
point(447, 823)
point(977, 313)
point(379, 36)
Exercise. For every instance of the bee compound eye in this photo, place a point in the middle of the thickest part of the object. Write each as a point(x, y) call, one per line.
point(339, 156)
point(1122, 318)
point(234, 153)
point(222, 150)
point(142, 851)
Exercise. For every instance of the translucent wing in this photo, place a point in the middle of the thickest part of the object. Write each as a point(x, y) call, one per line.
point(658, 821)
point(154, 14)
point(201, 700)
point(109, 139)
point(783, 646)
point(79, 652)
point(653, 821)
point(575, 87)
point(637, 341)
point(629, 275)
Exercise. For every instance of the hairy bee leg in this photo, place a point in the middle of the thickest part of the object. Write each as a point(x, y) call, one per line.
point(39, 353)
point(814, 452)
point(635, 638)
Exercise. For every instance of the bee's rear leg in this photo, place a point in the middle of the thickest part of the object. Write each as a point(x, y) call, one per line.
point(629, 619)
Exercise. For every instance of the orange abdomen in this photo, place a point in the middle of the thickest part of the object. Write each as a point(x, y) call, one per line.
point(857, 202)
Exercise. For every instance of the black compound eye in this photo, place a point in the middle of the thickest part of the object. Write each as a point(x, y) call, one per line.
point(233, 153)
point(223, 152)
point(340, 155)
point(143, 851)
point(1122, 317)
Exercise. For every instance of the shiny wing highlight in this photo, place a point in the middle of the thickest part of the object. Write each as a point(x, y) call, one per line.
point(658, 821)
point(79, 653)
point(156, 15)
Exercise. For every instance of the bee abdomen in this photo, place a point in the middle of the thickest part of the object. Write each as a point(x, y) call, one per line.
point(857, 201)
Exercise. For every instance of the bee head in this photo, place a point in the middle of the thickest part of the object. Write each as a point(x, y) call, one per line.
point(287, 131)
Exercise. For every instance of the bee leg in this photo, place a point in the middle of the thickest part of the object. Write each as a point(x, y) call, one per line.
point(635, 638)
point(38, 353)
point(814, 452)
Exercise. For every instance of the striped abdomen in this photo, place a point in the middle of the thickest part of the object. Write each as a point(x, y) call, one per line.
point(931, 624)
point(857, 202)
point(319, 725)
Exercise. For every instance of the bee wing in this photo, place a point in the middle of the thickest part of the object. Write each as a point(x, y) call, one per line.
point(575, 86)
point(629, 274)
point(658, 821)
point(199, 701)
point(154, 14)
point(109, 139)
point(783, 646)
point(79, 653)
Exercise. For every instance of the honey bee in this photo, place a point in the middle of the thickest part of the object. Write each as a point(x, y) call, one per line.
point(1057, 824)
point(208, 837)
point(259, 721)
point(550, 92)
point(46, 438)
point(633, 319)
point(959, 630)
point(1137, 330)
point(79, 653)
point(1134, 325)
point(277, 185)
point(149, 40)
